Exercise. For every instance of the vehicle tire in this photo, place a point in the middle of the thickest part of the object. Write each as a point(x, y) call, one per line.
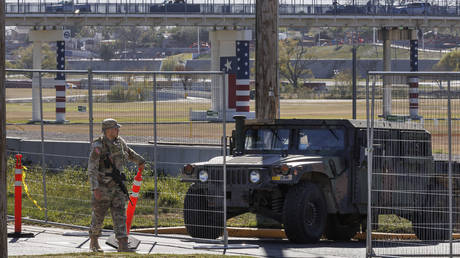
point(432, 225)
point(304, 213)
point(202, 221)
point(337, 231)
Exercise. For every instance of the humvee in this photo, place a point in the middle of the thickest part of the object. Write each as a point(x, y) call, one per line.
point(310, 175)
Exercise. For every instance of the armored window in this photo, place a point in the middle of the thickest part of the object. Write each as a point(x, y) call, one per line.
point(267, 139)
point(321, 139)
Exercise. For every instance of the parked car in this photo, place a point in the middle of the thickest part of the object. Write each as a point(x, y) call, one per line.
point(68, 7)
point(177, 6)
point(345, 9)
point(418, 8)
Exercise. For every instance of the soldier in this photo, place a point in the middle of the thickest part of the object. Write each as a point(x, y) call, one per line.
point(107, 152)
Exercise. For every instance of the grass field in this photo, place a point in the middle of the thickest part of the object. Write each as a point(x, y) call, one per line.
point(365, 51)
point(139, 112)
point(68, 199)
point(13, 93)
point(174, 118)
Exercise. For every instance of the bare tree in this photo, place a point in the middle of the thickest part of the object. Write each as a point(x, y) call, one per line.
point(184, 78)
point(292, 54)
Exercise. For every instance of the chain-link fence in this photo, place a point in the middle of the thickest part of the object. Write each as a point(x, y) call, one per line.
point(414, 160)
point(162, 114)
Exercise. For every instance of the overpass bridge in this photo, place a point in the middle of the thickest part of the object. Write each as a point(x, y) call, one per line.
point(395, 23)
point(239, 13)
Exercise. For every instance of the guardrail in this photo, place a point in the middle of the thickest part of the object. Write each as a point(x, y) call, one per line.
point(295, 7)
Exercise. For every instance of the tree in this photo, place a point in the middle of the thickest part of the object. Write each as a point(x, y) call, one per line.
point(169, 63)
point(184, 78)
point(187, 36)
point(25, 58)
point(84, 32)
point(291, 55)
point(449, 62)
point(106, 52)
point(128, 38)
point(343, 84)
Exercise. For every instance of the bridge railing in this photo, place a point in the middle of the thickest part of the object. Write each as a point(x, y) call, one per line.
point(294, 7)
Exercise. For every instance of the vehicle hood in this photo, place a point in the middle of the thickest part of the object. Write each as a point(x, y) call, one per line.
point(264, 160)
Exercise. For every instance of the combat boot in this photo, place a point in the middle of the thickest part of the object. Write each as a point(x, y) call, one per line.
point(94, 245)
point(123, 245)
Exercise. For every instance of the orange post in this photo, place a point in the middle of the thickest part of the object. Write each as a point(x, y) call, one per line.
point(18, 201)
point(134, 195)
point(18, 194)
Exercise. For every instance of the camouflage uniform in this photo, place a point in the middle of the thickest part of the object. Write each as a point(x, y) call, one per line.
point(111, 195)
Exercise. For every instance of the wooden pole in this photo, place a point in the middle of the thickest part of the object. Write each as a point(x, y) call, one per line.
point(3, 209)
point(267, 94)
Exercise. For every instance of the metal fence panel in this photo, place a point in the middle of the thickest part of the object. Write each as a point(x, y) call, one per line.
point(415, 160)
point(153, 108)
point(51, 187)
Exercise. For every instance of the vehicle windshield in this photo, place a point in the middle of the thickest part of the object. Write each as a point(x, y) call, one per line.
point(323, 139)
point(267, 139)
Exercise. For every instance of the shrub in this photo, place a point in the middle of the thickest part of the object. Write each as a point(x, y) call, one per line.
point(134, 93)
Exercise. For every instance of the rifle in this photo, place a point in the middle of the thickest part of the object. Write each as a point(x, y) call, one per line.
point(117, 176)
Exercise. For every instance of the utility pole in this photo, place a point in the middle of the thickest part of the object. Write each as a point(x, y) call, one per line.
point(3, 209)
point(354, 61)
point(267, 93)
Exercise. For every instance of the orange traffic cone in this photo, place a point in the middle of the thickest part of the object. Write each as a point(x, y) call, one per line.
point(132, 204)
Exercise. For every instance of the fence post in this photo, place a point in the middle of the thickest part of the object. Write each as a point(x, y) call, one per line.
point(369, 153)
point(369, 171)
point(155, 158)
point(43, 145)
point(90, 104)
point(224, 160)
point(449, 131)
point(354, 61)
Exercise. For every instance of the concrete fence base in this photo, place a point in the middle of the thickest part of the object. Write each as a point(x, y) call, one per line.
point(61, 154)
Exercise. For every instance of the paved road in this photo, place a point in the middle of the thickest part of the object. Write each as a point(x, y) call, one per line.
point(49, 240)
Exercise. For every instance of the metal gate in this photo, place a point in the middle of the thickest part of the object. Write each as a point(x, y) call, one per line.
point(414, 164)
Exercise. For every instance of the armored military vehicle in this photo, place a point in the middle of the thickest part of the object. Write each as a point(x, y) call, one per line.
point(311, 177)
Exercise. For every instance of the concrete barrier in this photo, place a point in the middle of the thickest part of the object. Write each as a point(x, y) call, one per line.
point(60, 154)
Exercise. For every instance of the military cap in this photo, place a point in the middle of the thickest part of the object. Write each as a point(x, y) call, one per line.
point(110, 123)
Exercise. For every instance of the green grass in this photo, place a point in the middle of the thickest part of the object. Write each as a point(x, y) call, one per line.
point(167, 112)
point(394, 224)
point(68, 199)
point(68, 202)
